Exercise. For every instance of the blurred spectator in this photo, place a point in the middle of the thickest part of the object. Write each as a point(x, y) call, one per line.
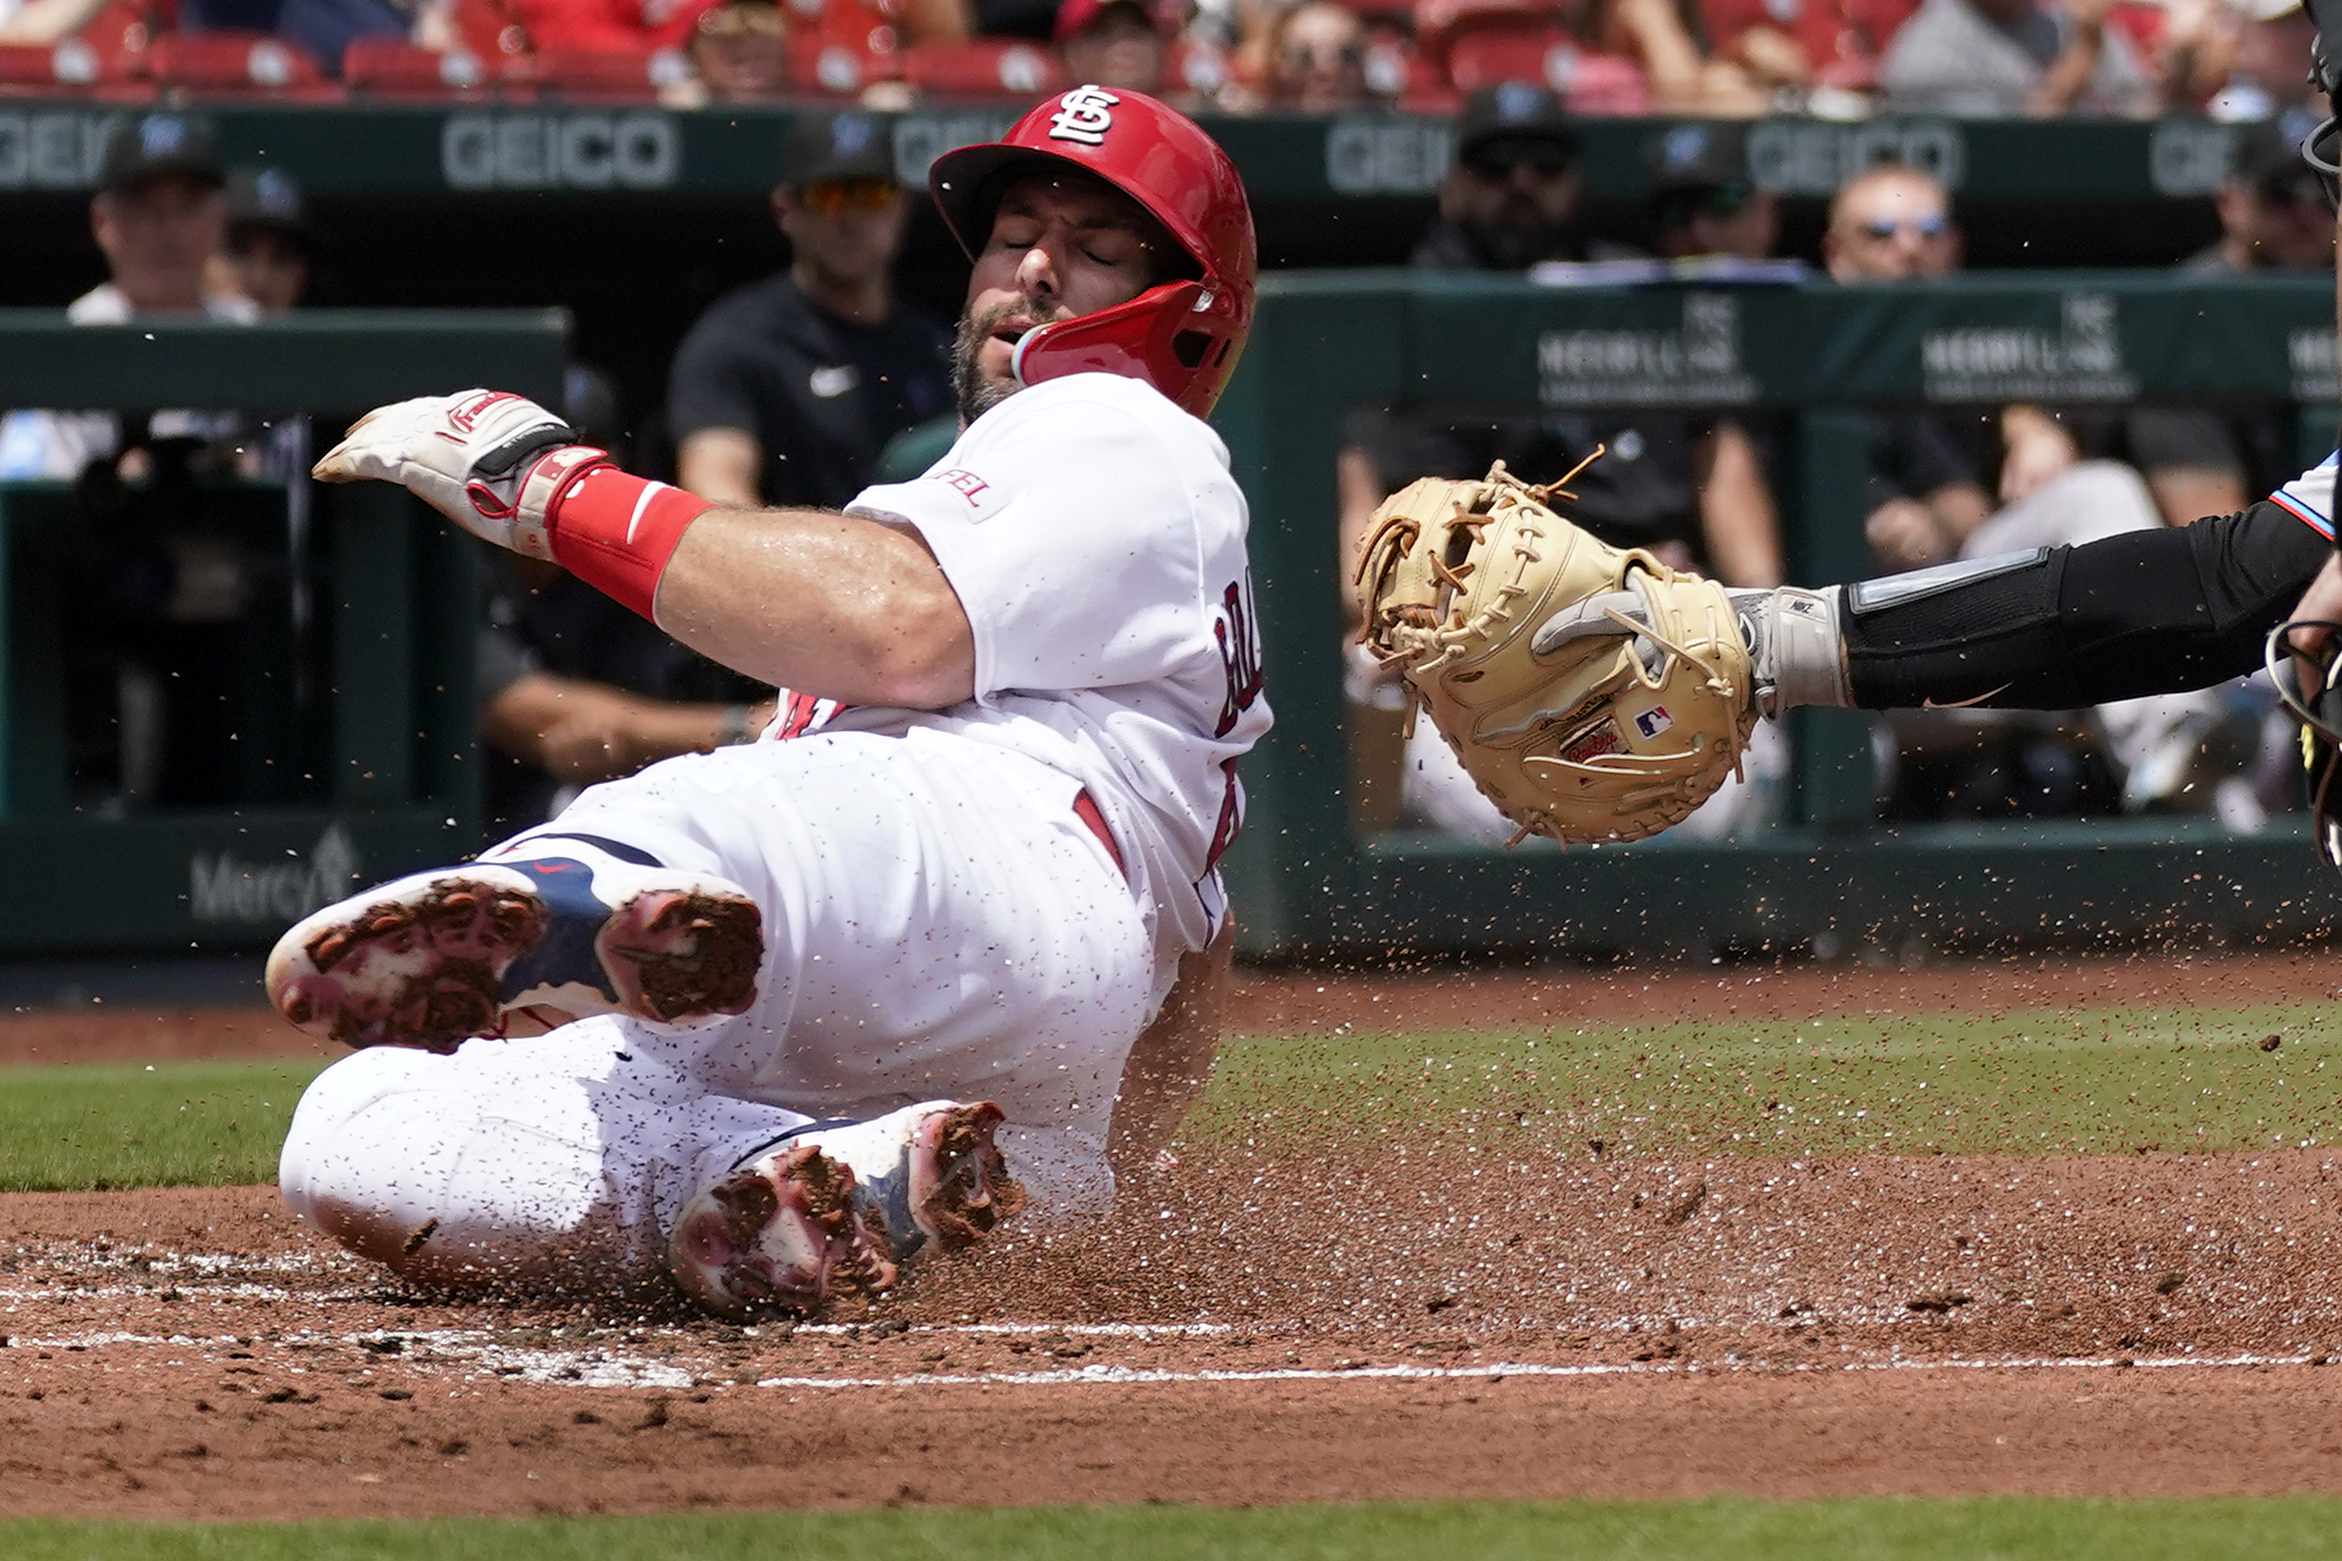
point(785, 390)
point(2265, 75)
point(1510, 198)
point(158, 217)
point(1798, 45)
point(266, 256)
point(1317, 58)
point(39, 23)
point(322, 29)
point(738, 51)
point(2273, 210)
point(1115, 43)
point(1988, 57)
point(1703, 201)
point(1930, 506)
point(1658, 37)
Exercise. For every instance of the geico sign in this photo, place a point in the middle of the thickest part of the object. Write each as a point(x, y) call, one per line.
point(52, 149)
point(585, 151)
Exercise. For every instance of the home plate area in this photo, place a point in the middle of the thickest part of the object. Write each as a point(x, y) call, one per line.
point(1375, 1320)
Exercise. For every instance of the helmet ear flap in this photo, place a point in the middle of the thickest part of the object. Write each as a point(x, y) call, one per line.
point(1177, 337)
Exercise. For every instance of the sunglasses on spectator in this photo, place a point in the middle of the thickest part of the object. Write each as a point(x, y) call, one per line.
point(1882, 229)
point(827, 200)
point(742, 21)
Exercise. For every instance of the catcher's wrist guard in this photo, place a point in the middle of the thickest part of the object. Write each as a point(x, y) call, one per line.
point(1794, 643)
point(1592, 694)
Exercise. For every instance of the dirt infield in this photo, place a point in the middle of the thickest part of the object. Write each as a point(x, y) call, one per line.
point(1396, 1319)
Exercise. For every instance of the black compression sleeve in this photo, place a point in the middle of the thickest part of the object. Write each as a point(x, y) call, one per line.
point(2146, 612)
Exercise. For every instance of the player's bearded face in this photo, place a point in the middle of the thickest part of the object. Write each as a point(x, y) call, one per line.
point(980, 373)
point(1062, 244)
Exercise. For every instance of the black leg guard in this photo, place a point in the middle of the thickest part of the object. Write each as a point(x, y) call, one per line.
point(2147, 612)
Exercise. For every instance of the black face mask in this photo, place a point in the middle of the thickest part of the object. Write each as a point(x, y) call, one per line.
point(2324, 144)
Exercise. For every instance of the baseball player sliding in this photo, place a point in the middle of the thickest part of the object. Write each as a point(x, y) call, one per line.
point(872, 984)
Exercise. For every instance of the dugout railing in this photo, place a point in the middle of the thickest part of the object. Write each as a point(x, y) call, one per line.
point(1814, 356)
point(333, 660)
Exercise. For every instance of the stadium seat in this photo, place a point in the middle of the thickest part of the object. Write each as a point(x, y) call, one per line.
point(1589, 83)
point(237, 63)
point(67, 69)
point(490, 29)
point(607, 73)
point(826, 68)
point(1438, 23)
point(394, 68)
point(982, 68)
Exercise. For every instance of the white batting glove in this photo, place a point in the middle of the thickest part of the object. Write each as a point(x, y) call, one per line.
point(488, 460)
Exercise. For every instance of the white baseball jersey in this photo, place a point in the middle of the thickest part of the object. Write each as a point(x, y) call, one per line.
point(1096, 541)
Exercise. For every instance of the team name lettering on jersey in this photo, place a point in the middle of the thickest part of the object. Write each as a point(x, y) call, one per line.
point(1238, 631)
point(1085, 114)
point(969, 486)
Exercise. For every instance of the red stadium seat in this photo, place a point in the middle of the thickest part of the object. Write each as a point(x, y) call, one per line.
point(394, 68)
point(1438, 23)
point(1397, 74)
point(490, 29)
point(610, 74)
point(67, 69)
point(238, 63)
point(983, 68)
point(828, 68)
point(1589, 83)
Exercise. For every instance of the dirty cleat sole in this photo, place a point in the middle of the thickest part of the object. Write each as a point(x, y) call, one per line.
point(929, 1173)
point(436, 958)
point(785, 1234)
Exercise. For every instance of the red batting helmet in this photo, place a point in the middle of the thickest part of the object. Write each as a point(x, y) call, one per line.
point(1181, 337)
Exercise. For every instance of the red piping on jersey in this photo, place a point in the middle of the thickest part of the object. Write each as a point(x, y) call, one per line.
point(1085, 808)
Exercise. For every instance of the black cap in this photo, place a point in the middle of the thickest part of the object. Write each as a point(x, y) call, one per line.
point(266, 198)
point(1697, 156)
point(151, 145)
point(829, 148)
point(1515, 114)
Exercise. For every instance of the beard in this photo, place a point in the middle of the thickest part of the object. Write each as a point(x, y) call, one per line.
point(974, 393)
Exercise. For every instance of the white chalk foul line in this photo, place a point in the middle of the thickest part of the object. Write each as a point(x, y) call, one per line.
point(1110, 1376)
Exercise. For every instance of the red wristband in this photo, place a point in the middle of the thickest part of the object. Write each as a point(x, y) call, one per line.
point(616, 532)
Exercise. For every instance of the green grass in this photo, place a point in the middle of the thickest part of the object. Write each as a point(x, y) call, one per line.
point(1731, 1527)
point(177, 1124)
point(2032, 1082)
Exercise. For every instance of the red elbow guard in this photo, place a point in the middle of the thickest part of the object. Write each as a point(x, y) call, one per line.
point(616, 532)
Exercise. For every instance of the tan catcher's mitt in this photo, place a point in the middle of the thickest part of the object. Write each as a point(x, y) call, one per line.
point(1622, 725)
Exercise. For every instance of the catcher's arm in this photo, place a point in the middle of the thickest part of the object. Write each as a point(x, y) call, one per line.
point(1172, 1059)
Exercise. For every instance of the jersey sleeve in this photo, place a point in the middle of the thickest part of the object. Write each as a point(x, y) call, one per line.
point(2309, 498)
point(1069, 533)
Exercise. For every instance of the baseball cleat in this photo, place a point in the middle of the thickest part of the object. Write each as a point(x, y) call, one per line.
point(829, 1214)
point(439, 957)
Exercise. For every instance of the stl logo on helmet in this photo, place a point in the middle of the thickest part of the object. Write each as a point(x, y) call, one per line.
point(1085, 114)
